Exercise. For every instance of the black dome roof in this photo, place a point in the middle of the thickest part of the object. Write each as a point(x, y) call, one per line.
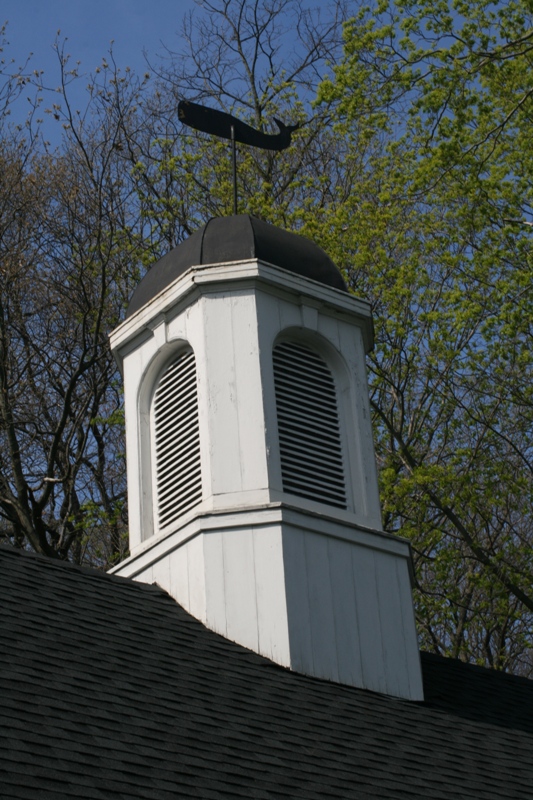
point(238, 238)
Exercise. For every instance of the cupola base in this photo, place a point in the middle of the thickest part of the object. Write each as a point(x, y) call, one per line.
point(310, 592)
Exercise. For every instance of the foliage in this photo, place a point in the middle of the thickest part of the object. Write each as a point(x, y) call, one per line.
point(450, 89)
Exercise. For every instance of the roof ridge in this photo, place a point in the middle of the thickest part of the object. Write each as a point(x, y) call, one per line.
point(84, 569)
point(481, 669)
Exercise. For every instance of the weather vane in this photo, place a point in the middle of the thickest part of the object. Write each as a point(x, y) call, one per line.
point(220, 123)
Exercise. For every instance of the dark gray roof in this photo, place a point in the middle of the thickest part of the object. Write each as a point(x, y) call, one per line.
point(110, 690)
point(238, 238)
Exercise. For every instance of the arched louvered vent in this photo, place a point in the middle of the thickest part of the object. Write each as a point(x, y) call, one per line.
point(177, 441)
point(308, 425)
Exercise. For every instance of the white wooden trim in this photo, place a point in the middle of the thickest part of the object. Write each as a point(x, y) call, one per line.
point(185, 289)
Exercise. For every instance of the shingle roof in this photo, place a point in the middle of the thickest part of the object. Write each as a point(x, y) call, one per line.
point(110, 690)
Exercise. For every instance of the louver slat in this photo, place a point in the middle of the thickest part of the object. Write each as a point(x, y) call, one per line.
point(177, 441)
point(308, 425)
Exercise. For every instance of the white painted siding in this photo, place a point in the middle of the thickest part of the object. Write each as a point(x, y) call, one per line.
point(347, 635)
point(319, 589)
point(368, 619)
point(239, 588)
point(234, 394)
point(270, 594)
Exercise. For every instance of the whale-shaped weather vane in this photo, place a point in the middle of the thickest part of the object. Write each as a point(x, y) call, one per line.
point(220, 123)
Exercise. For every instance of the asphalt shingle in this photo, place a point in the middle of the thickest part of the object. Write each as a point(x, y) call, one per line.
point(109, 689)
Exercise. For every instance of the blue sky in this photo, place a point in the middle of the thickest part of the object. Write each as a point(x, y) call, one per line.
point(89, 25)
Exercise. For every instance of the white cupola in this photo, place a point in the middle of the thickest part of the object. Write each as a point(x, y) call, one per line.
point(253, 495)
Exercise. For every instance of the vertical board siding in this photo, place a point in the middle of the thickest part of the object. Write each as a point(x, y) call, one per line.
point(270, 594)
point(369, 619)
point(179, 576)
point(251, 432)
point(308, 425)
point(344, 604)
point(413, 684)
point(177, 441)
point(223, 410)
point(296, 592)
point(196, 578)
point(239, 587)
point(391, 624)
point(321, 609)
point(214, 582)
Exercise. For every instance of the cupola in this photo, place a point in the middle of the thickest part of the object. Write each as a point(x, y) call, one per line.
point(253, 495)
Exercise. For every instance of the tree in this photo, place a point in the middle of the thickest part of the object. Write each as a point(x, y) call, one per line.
point(65, 254)
point(412, 169)
point(448, 273)
point(122, 189)
point(255, 60)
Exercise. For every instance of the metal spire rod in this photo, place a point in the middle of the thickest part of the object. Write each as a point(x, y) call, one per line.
point(220, 123)
point(234, 156)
